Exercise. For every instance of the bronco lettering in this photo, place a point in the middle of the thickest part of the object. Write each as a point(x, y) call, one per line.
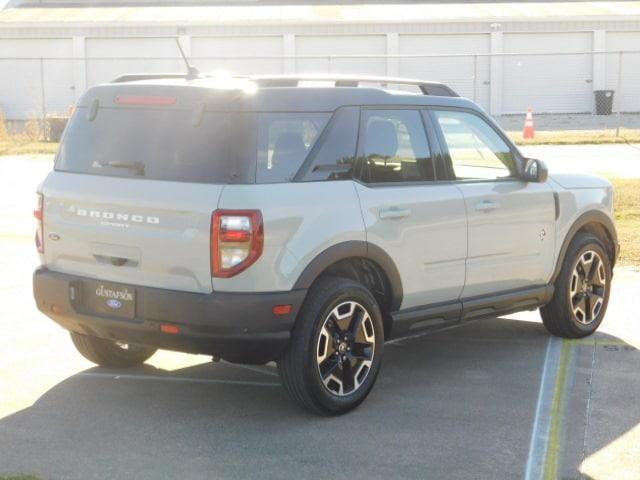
point(107, 215)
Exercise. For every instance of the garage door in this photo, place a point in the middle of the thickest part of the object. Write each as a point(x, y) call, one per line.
point(451, 60)
point(549, 83)
point(627, 96)
point(108, 58)
point(21, 92)
point(238, 55)
point(327, 47)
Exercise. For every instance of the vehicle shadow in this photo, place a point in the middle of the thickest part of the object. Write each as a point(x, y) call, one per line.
point(455, 404)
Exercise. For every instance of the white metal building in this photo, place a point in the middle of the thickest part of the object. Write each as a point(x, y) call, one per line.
point(506, 56)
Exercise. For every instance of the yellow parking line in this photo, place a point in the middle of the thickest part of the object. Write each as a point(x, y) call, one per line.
point(554, 442)
point(557, 413)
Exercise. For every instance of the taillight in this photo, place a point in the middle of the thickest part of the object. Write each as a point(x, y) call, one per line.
point(237, 238)
point(38, 213)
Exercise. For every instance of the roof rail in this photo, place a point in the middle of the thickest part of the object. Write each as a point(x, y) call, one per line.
point(132, 77)
point(427, 88)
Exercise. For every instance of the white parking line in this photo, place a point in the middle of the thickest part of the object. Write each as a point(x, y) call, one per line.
point(544, 411)
point(128, 376)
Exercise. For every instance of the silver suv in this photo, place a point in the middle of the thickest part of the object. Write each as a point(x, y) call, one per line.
point(305, 221)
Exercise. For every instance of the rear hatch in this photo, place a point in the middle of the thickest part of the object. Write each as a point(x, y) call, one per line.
point(136, 179)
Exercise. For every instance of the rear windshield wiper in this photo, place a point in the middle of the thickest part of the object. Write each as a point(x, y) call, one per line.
point(137, 167)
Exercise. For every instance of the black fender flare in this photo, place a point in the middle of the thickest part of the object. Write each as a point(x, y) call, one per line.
point(592, 216)
point(354, 249)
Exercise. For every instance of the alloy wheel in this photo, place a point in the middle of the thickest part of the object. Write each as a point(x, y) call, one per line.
point(345, 348)
point(587, 287)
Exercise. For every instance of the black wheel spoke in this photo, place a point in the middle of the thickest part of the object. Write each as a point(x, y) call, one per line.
point(580, 304)
point(594, 296)
point(333, 326)
point(581, 271)
point(596, 282)
point(588, 307)
point(348, 380)
point(354, 322)
point(593, 269)
point(329, 366)
point(585, 269)
point(579, 301)
point(362, 351)
point(593, 300)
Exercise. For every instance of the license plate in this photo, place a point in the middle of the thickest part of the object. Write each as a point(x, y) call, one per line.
point(109, 299)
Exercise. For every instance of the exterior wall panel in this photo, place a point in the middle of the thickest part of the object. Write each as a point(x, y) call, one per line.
point(452, 60)
point(627, 65)
point(107, 58)
point(22, 94)
point(314, 46)
point(241, 55)
point(542, 71)
point(540, 66)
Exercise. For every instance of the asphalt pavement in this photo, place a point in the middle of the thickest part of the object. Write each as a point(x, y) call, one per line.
point(498, 398)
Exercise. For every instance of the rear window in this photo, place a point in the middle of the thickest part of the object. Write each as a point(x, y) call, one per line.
point(161, 145)
point(178, 145)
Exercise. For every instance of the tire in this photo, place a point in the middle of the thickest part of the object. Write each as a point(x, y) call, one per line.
point(107, 353)
point(339, 320)
point(582, 289)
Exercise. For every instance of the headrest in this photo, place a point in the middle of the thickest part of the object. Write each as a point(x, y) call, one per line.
point(382, 139)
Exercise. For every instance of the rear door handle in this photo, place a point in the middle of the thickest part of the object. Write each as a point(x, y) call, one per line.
point(394, 212)
point(487, 206)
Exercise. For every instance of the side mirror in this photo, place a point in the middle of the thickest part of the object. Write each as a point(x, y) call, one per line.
point(535, 171)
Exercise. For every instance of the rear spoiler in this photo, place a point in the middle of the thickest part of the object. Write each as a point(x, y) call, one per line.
point(134, 77)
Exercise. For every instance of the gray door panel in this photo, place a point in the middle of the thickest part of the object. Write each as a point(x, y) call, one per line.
point(511, 235)
point(423, 228)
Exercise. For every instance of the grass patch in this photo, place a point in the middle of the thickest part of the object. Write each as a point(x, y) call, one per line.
point(627, 210)
point(28, 142)
point(578, 137)
point(19, 477)
point(23, 145)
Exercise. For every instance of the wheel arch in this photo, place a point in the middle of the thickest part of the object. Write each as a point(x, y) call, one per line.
point(597, 223)
point(363, 262)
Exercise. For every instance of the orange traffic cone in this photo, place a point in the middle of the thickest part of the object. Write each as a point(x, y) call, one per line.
point(529, 130)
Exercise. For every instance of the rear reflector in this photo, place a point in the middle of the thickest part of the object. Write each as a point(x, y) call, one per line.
point(235, 236)
point(38, 213)
point(59, 309)
point(145, 100)
point(282, 309)
point(168, 328)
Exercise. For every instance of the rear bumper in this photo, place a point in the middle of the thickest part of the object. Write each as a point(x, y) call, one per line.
point(239, 327)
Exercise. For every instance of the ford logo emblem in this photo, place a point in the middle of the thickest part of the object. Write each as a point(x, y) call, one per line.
point(113, 303)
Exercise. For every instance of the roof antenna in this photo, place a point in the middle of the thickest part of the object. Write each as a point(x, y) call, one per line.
point(192, 72)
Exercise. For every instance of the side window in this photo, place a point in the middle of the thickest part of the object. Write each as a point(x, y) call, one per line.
point(284, 139)
point(395, 146)
point(334, 158)
point(477, 152)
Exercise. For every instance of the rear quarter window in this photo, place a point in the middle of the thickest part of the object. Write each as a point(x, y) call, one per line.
point(284, 141)
point(334, 157)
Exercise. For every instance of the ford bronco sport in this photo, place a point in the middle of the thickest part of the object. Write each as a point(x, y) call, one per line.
point(305, 221)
